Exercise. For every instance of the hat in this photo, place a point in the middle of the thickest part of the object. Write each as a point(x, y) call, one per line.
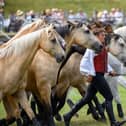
point(19, 13)
point(108, 28)
point(98, 30)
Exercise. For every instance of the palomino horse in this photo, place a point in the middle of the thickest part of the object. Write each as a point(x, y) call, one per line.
point(37, 75)
point(43, 79)
point(25, 47)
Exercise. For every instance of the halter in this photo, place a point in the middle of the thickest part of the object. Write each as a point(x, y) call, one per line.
point(109, 36)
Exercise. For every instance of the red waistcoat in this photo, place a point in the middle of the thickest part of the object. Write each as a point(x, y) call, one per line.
point(100, 61)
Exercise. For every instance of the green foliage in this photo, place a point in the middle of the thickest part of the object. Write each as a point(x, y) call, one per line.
point(86, 5)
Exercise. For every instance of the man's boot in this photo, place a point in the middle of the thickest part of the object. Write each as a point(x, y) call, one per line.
point(76, 107)
point(120, 111)
point(109, 109)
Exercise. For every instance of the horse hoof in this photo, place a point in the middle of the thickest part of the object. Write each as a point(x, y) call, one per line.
point(96, 117)
point(3, 122)
point(19, 122)
point(102, 120)
point(35, 122)
point(58, 117)
point(66, 120)
point(118, 123)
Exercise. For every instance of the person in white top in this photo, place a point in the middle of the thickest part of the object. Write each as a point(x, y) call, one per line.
point(94, 67)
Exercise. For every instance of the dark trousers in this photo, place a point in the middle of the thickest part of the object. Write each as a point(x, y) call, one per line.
point(98, 84)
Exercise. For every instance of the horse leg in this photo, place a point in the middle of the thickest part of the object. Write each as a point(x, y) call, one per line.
point(40, 109)
point(25, 118)
point(22, 98)
point(45, 99)
point(12, 110)
point(116, 97)
point(59, 95)
point(61, 103)
point(99, 108)
point(92, 108)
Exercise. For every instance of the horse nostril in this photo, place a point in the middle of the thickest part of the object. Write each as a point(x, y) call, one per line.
point(62, 57)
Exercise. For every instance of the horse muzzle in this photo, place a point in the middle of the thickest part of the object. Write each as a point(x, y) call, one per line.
point(97, 47)
point(59, 58)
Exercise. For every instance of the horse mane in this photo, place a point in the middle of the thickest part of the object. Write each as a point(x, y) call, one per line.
point(29, 28)
point(63, 30)
point(17, 46)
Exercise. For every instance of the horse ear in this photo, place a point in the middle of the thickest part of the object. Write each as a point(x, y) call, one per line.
point(71, 25)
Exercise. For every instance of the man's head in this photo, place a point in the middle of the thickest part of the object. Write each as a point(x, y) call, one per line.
point(100, 33)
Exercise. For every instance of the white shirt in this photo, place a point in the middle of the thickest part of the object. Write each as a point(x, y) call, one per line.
point(87, 63)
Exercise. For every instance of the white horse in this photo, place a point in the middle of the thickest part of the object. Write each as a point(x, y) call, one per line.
point(121, 31)
point(117, 66)
point(114, 81)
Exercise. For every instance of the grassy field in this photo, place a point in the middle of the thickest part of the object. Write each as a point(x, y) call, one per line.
point(83, 119)
point(87, 5)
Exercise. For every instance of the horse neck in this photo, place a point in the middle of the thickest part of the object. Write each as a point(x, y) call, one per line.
point(23, 46)
point(70, 40)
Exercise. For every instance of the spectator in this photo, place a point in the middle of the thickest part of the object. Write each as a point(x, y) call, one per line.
point(12, 18)
point(119, 17)
point(81, 16)
point(1, 19)
point(20, 19)
point(112, 15)
point(71, 15)
point(2, 3)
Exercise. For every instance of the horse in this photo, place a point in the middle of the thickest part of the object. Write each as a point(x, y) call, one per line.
point(20, 52)
point(39, 72)
point(114, 81)
point(41, 88)
point(121, 31)
point(65, 76)
point(61, 88)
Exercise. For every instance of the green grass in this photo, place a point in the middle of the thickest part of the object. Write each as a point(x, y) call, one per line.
point(83, 119)
point(87, 5)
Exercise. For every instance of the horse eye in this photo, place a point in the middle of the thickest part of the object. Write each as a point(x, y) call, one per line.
point(53, 41)
point(87, 31)
point(116, 37)
point(121, 44)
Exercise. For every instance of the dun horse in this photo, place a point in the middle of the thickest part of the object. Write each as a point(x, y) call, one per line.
point(20, 53)
point(42, 85)
point(77, 80)
point(45, 77)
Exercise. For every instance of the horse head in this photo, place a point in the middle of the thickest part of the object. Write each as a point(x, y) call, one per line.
point(79, 34)
point(52, 43)
point(117, 46)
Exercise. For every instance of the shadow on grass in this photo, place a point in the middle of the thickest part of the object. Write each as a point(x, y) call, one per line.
point(83, 123)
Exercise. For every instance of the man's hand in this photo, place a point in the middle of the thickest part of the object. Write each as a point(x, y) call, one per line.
point(89, 78)
point(112, 73)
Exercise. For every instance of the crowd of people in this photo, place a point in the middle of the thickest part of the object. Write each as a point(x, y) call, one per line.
point(16, 19)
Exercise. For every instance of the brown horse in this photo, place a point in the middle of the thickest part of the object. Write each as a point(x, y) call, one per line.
point(25, 47)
